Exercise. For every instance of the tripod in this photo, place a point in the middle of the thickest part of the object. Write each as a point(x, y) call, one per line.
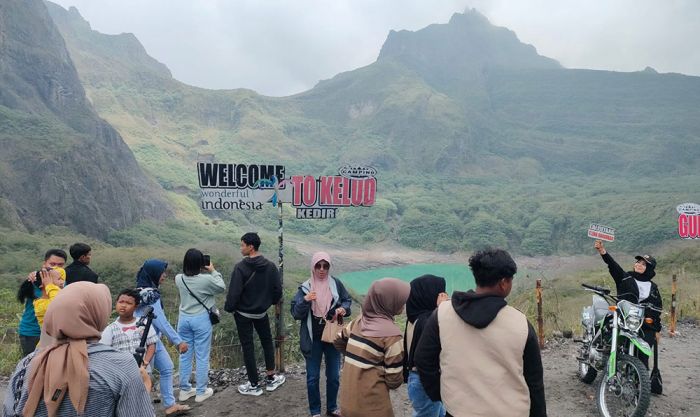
point(145, 322)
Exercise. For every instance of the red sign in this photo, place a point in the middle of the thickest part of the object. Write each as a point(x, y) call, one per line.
point(689, 220)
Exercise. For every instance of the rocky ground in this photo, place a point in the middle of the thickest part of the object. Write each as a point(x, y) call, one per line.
point(566, 395)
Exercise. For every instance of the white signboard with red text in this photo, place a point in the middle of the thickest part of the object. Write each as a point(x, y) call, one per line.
point(598, 231)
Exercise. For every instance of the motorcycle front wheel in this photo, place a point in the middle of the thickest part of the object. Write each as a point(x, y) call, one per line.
point(628, 392)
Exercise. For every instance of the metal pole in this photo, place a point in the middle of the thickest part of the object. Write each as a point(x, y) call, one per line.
point(279, 310)
point(674, 287)
point(540, 321)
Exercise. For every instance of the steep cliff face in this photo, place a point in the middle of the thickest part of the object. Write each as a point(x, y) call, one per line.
point(60, 164)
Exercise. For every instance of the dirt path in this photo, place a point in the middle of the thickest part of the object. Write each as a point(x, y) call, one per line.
point(566, 395)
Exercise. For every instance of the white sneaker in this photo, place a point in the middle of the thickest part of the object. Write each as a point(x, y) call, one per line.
point(250, 389)
point(275, 382)
point(186, 395)
point(201, 397)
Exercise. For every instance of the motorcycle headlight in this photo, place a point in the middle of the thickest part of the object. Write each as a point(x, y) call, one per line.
point(633, 314)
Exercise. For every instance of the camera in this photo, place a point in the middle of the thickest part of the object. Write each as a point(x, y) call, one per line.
point(206, 260)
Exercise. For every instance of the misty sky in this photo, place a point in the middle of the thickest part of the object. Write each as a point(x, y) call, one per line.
point(282, 47)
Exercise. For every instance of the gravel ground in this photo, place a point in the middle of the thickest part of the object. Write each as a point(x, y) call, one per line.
point(566, 395)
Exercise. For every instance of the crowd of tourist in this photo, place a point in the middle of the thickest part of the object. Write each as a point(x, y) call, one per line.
point(461, 355)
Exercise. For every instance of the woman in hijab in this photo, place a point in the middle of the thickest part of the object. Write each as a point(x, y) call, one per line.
point(373, 349)
point(148, 279)
point(427, 292)
point(636, 287)
point(321, 297)
point(76, 375)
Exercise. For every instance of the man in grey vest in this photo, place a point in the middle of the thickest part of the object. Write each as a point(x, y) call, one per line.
point(478, 355)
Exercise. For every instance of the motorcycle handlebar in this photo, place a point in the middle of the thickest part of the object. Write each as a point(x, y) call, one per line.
point(596, 288)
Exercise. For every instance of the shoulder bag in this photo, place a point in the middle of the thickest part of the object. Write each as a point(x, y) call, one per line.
point(214, 314)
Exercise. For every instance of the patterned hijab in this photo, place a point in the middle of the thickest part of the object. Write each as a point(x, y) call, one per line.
point(385, 299)
point(77, 315)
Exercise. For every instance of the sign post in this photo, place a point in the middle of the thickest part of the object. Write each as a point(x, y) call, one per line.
point(251, 186)
point(540, 319)
point(279, 309)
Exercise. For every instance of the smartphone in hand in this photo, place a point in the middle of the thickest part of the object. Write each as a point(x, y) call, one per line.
point(207, 260)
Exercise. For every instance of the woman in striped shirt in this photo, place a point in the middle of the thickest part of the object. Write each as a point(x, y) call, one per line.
point(373, 348)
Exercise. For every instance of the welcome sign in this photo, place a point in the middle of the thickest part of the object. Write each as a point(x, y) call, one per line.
point(250, 186)
point(240, 186)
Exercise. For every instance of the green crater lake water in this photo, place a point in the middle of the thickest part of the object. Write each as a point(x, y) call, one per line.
point(458, 276)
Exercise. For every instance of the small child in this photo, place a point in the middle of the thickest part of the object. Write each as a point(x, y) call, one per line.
point(123, 334)
point(50, 281)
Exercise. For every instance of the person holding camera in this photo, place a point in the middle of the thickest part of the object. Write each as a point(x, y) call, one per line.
point(148, 279)
point(29, 328)
point(198, 284)
point(321, 297)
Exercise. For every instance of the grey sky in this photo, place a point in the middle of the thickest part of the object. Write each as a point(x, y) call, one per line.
point(281, 47)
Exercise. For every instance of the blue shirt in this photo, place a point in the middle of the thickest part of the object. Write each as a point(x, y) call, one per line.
point(160, 322)
point(28, 324)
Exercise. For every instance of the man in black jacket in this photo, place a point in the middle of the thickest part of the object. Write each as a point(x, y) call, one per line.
point(79, 269)
point(255, 286)
point(478, 355)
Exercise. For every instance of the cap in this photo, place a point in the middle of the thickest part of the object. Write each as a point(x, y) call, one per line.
point(650, 260)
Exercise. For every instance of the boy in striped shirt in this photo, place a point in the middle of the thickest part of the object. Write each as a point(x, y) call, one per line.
point(123, 334)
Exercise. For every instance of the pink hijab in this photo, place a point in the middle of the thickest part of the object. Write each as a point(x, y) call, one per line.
point(385, 299)
point(324, 297)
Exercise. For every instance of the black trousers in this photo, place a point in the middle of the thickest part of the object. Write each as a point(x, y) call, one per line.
point(649, 337)
point(28, 344)
point(245, 327)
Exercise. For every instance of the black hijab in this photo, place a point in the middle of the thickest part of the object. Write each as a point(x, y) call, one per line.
point(648, 274)
point(423, 297)
point(422, 301)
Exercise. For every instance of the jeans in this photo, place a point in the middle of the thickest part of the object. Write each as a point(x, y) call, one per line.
point(245, 335)
point(423, 406)
point(313, 375)
point(196, 332)
point(162, 362)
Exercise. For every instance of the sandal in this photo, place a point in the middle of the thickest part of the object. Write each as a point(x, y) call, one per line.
point(178, 410)
point(334, 413)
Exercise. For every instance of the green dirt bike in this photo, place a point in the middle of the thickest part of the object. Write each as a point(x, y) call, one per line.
point(610, 341)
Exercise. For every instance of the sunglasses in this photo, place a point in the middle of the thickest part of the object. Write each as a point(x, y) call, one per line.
point(322, 265)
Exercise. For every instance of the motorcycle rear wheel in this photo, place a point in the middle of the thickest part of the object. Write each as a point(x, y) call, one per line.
point(628, 392)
